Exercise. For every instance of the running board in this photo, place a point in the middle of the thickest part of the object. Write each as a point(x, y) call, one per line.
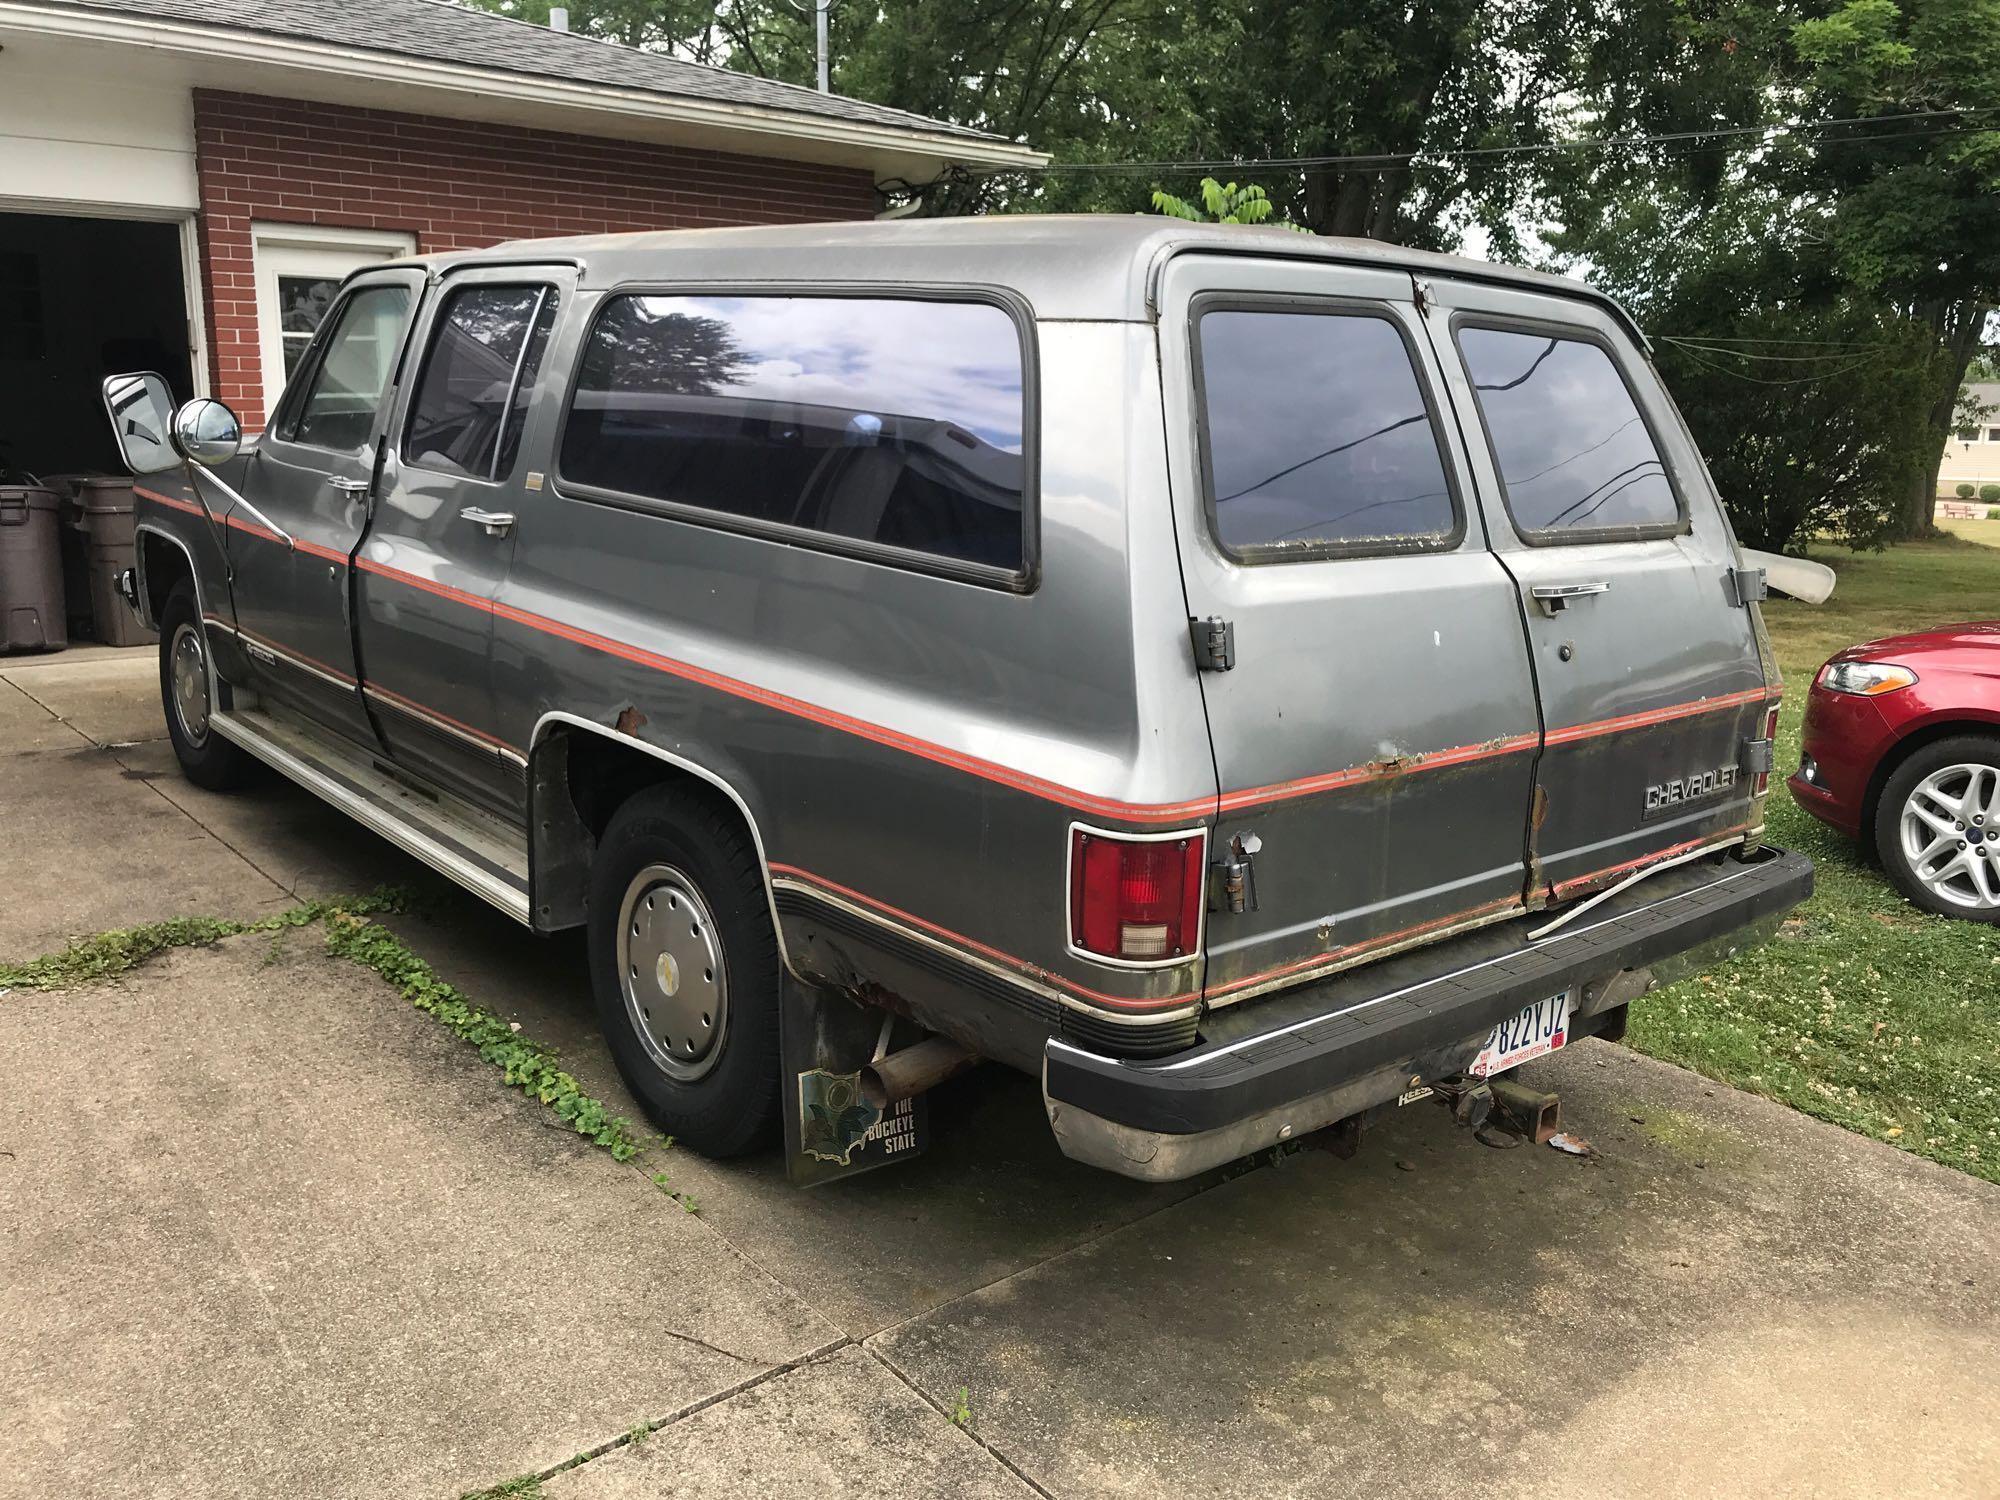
point(471, 846)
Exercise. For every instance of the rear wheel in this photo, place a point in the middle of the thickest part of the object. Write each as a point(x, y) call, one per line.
point(187, 689)
point(1937, 827)
point(684, 964)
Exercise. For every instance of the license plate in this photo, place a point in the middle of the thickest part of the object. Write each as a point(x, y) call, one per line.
point(1538, 1030)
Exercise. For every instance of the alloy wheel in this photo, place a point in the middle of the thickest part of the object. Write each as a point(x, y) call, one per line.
point(1950, 829)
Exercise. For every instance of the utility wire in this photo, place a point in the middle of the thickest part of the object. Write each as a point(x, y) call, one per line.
point(1703, 346)
point(1825, 343)
point(1814, 128)
point(1847, 369)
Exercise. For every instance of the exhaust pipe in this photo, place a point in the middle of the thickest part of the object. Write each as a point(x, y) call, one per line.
point(912, 1071)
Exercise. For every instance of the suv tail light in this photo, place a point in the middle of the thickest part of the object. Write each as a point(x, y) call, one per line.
point(1135, 900)
point(1761, 783)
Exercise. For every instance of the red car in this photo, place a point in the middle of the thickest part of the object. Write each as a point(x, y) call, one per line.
point(1902, 751)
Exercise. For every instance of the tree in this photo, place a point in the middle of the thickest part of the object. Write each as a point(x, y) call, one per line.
point(1807, 395)
point(1140, 80)
point(1803, 458)
point(1896, 215)
point(1377, 118)
point(1917, 216)
point(695, 30)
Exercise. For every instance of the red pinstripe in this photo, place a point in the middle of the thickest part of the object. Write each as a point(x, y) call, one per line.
point(376, 689)
point(311, 661)
point(1299, 968)
point(248, 528)
point(1571, 885)
point(1308, 786)
point(1232, 801)
point(1019, 780)
point(1653, 716)
point(1033, 971)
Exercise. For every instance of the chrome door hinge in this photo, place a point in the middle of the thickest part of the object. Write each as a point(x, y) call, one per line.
point(1746, 586)
point(1423, 297)
point(1759, 757)
point(1214, 643)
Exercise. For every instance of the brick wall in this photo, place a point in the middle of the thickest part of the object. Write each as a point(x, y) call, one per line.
point(454, 184)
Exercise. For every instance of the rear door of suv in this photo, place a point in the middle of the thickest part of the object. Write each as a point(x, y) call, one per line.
point(1645, 658)
point(1374, 735)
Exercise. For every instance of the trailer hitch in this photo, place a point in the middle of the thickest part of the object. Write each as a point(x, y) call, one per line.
point(1489, 1106)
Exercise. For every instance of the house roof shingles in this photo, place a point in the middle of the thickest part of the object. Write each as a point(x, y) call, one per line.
point(441, 31)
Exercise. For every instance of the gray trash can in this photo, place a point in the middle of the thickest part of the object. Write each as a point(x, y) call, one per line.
point(104, 507)
point(31, 592)
point(75, 554)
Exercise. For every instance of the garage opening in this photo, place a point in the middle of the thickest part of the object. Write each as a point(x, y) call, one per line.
point(82, 298)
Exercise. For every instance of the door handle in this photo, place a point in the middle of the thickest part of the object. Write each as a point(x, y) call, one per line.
point(1554, 597)
point(348, 487)
point(492, 522)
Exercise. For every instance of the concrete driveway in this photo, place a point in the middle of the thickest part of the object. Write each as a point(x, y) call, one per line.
point(268, 1230)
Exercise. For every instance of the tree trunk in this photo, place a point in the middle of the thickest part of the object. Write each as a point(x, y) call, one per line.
point(1959, 326)
point(1389, 191)
point(1351, 203)
point(1319, 182)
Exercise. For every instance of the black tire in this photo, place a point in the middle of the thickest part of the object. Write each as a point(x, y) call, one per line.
point(732, 1107)
point(207, 759)
point(1976, 750)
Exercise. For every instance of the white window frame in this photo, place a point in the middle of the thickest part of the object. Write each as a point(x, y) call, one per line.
point(307, 250)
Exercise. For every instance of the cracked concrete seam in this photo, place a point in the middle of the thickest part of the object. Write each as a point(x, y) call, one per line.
point(762, 1377)
point(924, 1396)
point(694, 1408)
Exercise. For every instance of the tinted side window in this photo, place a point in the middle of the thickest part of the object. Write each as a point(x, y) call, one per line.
point(339, 410)
point(1573, 451)
point(1317, 434)
point(894, 421)
point(473, 396)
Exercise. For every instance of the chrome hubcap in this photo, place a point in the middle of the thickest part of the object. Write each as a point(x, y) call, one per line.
point(670, 967)
point(1951, 835)
point(188, 673)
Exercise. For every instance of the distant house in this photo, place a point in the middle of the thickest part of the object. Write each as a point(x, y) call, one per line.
point(1972, 454)
point(183, 182)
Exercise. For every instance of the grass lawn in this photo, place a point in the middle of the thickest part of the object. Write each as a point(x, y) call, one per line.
point(1987, 532)
point(1864, 1011)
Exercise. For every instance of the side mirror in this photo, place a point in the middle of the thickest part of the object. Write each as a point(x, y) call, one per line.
point(207, 432)
point(142, 418)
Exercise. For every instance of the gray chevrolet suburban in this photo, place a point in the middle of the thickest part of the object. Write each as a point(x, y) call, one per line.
point(1247, 681)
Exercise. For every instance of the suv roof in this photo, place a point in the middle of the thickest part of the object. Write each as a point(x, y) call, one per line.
point(1067, 266)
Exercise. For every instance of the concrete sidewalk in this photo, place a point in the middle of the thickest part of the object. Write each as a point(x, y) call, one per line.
point(269, 1230)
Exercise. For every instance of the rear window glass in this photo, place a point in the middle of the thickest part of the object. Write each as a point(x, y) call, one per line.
point(1318, 435)
point(893, 421)
point(1574, 453)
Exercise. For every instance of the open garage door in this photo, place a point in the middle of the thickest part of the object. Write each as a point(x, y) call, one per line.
point(82, 298)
